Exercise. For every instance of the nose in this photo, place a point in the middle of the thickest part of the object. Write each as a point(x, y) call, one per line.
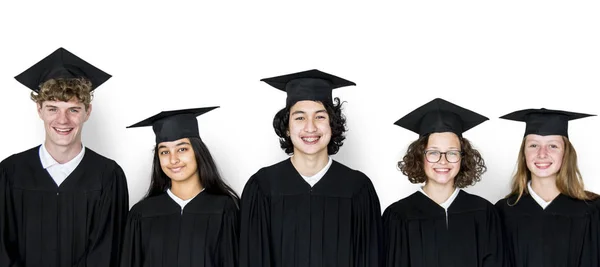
point(310, 126)
point(542, 152)
point(173, 158)
point(443, 159)
point(62, 117)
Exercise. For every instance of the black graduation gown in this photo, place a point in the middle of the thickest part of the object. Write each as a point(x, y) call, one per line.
point(564, 234)
point(418, 234)
point(205, 234)
point(286, 223)
point(79, 223)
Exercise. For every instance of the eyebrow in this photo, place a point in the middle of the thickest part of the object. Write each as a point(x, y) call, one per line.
point(302, 112)
point(179, 144)
point(437, 148)
point(53, 106)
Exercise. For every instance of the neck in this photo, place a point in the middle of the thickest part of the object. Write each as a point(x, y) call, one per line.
point(186, 189)
point(309, 165)
point(63, 154)
point(438, 192)
point(545, 187)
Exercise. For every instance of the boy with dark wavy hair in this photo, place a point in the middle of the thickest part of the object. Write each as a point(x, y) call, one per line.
point(309, 210)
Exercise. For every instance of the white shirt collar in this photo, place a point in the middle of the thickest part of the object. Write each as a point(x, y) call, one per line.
point(448, 201)
point(312, 180)
point(180, 201)
point(537, 198)
point(48, 161)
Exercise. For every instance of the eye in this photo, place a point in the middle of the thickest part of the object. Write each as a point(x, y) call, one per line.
point(164, 152)
point(433, 153)
point(183, 149)
point(532, 145)
point(321, 117)
point(74, 110)
point(299, 118)
point(51, 109)
point(554, 146)
point(453, 153)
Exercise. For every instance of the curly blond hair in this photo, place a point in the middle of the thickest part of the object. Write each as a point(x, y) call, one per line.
point(64, 89)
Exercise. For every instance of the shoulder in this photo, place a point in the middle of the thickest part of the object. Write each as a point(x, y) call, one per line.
point(350, 176)
point(507, 202)
point(475, 200)
point(99, 160)
point(21, 160)
point(401, 208)
point(21, 157)
point(269, 172)
point(146, 204)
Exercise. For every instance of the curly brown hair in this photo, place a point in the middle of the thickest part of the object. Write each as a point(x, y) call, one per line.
point(472, 165)
point(64, 89)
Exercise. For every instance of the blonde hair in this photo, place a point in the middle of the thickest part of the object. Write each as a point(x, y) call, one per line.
point(64, 90)
point(568, 180)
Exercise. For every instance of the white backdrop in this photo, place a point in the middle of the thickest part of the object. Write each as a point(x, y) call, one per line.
point(491, 57)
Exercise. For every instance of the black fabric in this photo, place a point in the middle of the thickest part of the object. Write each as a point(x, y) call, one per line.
point(417, 233)
point(287, 223)
point(205, 234)
point(563, 234)
point(79, 223)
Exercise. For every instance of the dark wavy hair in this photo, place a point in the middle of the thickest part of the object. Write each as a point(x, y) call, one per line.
point(209, 175)
point(337, 122)
point(472, 165)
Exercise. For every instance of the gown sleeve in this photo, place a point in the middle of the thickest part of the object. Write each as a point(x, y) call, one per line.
point(591, 245)
point(495, 254)
point(395, 243)
point(131, 252)
point(8, 247)
point(110, 218)
point(366, 227)
point(228, 245)
point(255, 248)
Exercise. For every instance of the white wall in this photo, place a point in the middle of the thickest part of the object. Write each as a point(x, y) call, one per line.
point(491, 57)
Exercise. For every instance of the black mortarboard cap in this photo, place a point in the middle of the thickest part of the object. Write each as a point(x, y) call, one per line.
point(545, 121)
point(61, 64)
point(439, 116)
point(307, 85)
point(175, 124)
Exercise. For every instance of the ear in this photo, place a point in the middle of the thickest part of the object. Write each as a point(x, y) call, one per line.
point(88, 112)
point(39, 109)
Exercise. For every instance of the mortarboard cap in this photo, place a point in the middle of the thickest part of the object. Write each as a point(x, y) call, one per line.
point(307, 85)
point(61, 64)
point(175, 124)
point(545, 121)
point(440, 116)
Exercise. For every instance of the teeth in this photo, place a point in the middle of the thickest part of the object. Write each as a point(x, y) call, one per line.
point(62, 130)
point(442, 170)
point(543, 164)
point(310, 139)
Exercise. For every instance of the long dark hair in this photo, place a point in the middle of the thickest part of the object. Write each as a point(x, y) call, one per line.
point(210, 178)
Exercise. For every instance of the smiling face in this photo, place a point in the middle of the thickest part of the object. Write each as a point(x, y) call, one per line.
point(544, 155)
point(178, 161)
point(309, 128)
point(63, 122)
point(442, 171)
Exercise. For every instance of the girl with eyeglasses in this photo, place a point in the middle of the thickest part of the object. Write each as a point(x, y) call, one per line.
point(442, 225)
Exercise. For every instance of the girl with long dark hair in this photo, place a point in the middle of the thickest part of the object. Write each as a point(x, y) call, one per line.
point(189, 216)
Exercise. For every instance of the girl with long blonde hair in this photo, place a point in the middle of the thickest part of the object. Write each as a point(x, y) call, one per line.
point(548, 217)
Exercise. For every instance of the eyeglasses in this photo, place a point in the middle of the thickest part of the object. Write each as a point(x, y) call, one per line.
point(452, 156)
